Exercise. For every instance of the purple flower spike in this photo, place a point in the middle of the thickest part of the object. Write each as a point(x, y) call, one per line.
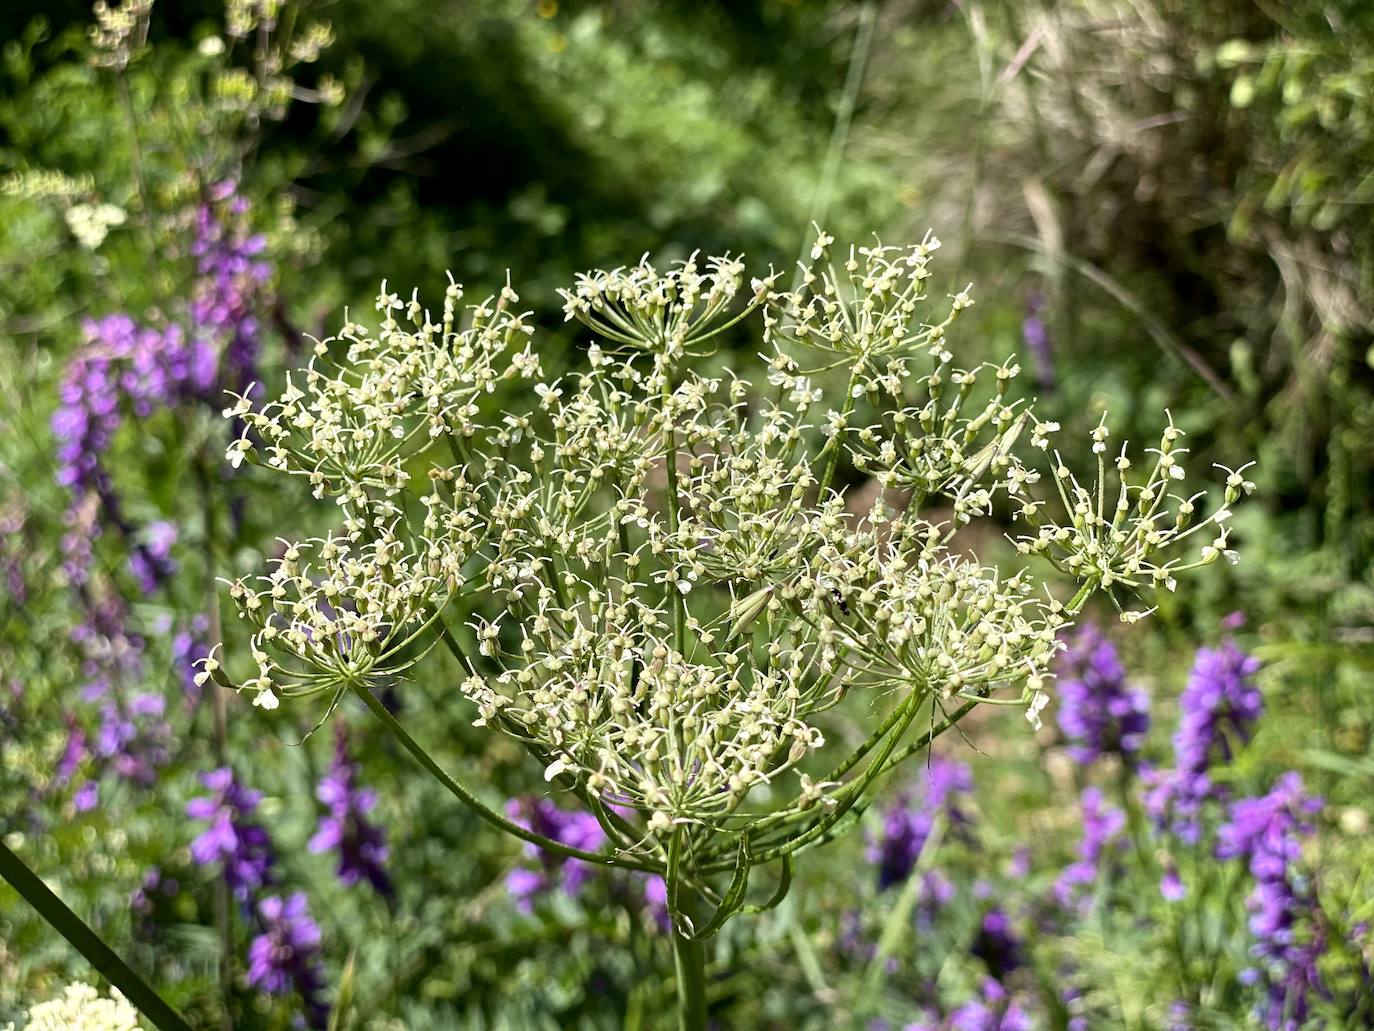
point(1266, 833)
point(285, 957)
point(1102, 838)
point(574, 829)
point(997, 944)
point(233, 841)
point(346, 829)
point(992, 1010)
point(1219, 708)
point(1099, 712)
point(911, 817)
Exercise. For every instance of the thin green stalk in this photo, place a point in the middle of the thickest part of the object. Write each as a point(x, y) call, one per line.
point(675, 600)
point(52, 909)
point(833, 444)
point(844, 116)
point(474, 803)
point(898, 923)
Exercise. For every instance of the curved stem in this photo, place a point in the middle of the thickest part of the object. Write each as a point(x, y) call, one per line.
point(476, 805)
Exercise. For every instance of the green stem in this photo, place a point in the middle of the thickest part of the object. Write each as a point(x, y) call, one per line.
point(475, 804)
point(833, 444)
point(675, 600)
point(52, 909)
point(689, 961)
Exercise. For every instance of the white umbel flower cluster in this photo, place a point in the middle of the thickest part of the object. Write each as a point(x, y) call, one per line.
point(644, 569)
point(80, 1007)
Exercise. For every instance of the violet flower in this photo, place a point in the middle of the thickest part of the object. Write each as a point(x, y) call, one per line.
point(133, 738)
point(574, 829)
point(188, 648)
point(993, 1009)
point(1267, 833)
point(908, 821)
point(241, 847)
point(1102, 838)
point(1219, 708)
point(997, 945)
point(285, 957)
point(1099, 713)
point(1037, 337)
point(345, 828)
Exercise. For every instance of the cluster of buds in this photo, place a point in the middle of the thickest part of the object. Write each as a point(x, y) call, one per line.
point(667, 313)
point(665, 594)
point(1122, 531)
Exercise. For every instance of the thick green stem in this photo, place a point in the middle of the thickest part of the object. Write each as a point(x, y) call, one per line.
point(52, 909)
point(689, 959)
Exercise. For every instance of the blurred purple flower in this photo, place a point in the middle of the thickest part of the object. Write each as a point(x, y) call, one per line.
point(574, 829)
point(74, 753)
point(1099, 712)
point(1102, 837)
point(345, 827)
point(285, 957)
point(230, 277)
point(997, 945)
point(86, 797)
point(908, 821)
point(133, 738)
point(993, 1010)
point(1266, 833)
point(189, 647)
point(656, 902)
point(1171, 885)
point(233, 841)
point(1218, 708)
point(126, 368)
point(1037, 337)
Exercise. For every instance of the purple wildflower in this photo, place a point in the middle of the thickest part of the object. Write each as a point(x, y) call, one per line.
point(997, 945)
point(1099, 712)
point(230, 276)
point(911, 817)
point(345, 828)
point(285, 957)
point(74, 753)
point(1037, 337)
point(1267, 833)
point(574, 829)
point(656, 902)
point(149, 900)
point(133, 738)
point(1171, 885)
point(241, 847)
point(189, 647)
point(1219, 707)
point(992, 1010)
point(1102, 835)
point(86, 797)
